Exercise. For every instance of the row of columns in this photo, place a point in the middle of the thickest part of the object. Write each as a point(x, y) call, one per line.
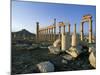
point(49, 33)
point(62, 25)
point(46, 34)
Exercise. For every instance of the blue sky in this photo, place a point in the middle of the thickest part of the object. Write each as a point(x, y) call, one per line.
point(26, 14)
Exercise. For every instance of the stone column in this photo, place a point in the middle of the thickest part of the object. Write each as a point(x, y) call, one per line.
point(54, 29)
point(44, 34)
point(63, 42)
point(69, 28)
point(39, 35)
point(52, 34)
point(74, 40)
point(49, 34)
point(37, 31)
point(74, 37)
point(81, 31)
point(90, 31)
point(64, 29)
point(75, 28)
point(60, 32)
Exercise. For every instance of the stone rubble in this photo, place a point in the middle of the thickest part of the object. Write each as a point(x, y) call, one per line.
point(92, 57)
point(46, 66)
point(54, 50)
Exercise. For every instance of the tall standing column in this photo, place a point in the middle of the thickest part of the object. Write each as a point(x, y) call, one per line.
point(46, 34)
point(37, 31)
point(81, 31)
point(49, 34)
point(90, 31)
point(43, 35)
point(60, 32)
point(75, 28)
point(54, 29)
point(69, 28)
point(40, 35)
point(52, 34)
point(64, 29)
point(74, 37)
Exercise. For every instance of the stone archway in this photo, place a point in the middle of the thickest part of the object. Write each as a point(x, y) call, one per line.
point(86, 18)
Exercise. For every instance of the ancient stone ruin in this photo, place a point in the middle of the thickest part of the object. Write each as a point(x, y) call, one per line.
point(67, 42)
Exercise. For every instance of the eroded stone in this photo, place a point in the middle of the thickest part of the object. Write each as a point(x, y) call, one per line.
point(46, 66)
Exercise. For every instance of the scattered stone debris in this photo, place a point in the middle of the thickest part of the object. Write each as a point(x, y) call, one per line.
point(74, 51)
point(92, 56)
point(54, 50)
point(46, 66)
point(57, 43)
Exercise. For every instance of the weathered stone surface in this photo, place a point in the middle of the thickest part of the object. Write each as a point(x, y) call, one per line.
point(92, 56)
point(54, 50)
point(74, 51)
point(65, 41)
point(45, 66)
point(74, 39)
point(57, 43)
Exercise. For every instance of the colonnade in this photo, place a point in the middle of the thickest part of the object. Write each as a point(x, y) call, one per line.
point(49, 33)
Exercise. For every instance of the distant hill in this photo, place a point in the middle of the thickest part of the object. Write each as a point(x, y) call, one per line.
point(23, 31)
point(23, 34)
